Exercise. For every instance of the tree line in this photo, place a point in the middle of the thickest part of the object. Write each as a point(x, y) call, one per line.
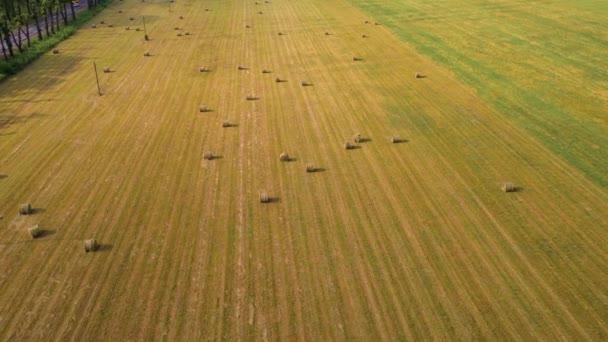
point(18, 18)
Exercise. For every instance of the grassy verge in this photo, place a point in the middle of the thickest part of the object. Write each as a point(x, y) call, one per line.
point(540, 70)
point(40, 47)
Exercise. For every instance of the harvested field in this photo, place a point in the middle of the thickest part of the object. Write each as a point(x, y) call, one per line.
point(411, 241)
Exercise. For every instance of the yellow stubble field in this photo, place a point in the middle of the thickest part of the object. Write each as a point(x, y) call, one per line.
point(411, 241)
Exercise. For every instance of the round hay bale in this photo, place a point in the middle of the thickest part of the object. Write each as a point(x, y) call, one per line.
point(281, 33)
point(131, 18)
point(176, 28)
point(179, 34)
point(260, 12)
point(90, 245)
point(110, 25)
point(203, 69)
point(284, 157)
point(204, 109)
point(147, 54)
point(367, 21)
point(106, 70)
point(306, 84)
point(181, 17)
point(187, 33)
point(240, 67)
point(93, 26)
point(138, 29)
point(376, 23)
point(25, 209)
point(364, 36)
point(127, 28)
point(357, 58)
point(278, 80)
point(395, 139)
point(266, 71)
point(509, 187)
point(34, 231)
point(264, 197)
point(102, 22)
point(226, 124)
point(247, 26)
point(327, 33)
point(419, 75)
point(310, 168)
point(358, 138)
point(207, 10)
point(207, 155)
point(348, 145)
point(56, 51)
point(119, 11)
point(251, 97)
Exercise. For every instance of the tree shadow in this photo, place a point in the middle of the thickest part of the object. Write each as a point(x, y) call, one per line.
point(6, 120)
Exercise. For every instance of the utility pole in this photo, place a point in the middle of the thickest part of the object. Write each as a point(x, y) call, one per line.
point(97, 78)
point(145, 32)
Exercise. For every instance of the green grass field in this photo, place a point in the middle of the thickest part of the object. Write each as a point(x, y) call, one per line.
point(408, 241)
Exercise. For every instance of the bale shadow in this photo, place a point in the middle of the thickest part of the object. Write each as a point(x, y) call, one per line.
point(364, 140)
point(400, 141)
point(420, 76)
point(308, 84)
point(518, 189)
point(214, 157)
point(46, 232)
point(319, 169)
point(2, 176)
point(252, 98)
point(231, 125)
point(36, 211)
point(274, 200)
point(355, 147)
point(105, 247)
point(279, 80)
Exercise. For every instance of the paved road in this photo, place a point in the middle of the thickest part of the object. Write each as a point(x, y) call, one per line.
point(52, 18)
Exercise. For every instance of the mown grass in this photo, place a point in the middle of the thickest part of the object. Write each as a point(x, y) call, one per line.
point(542, 69)
point(40, 47)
